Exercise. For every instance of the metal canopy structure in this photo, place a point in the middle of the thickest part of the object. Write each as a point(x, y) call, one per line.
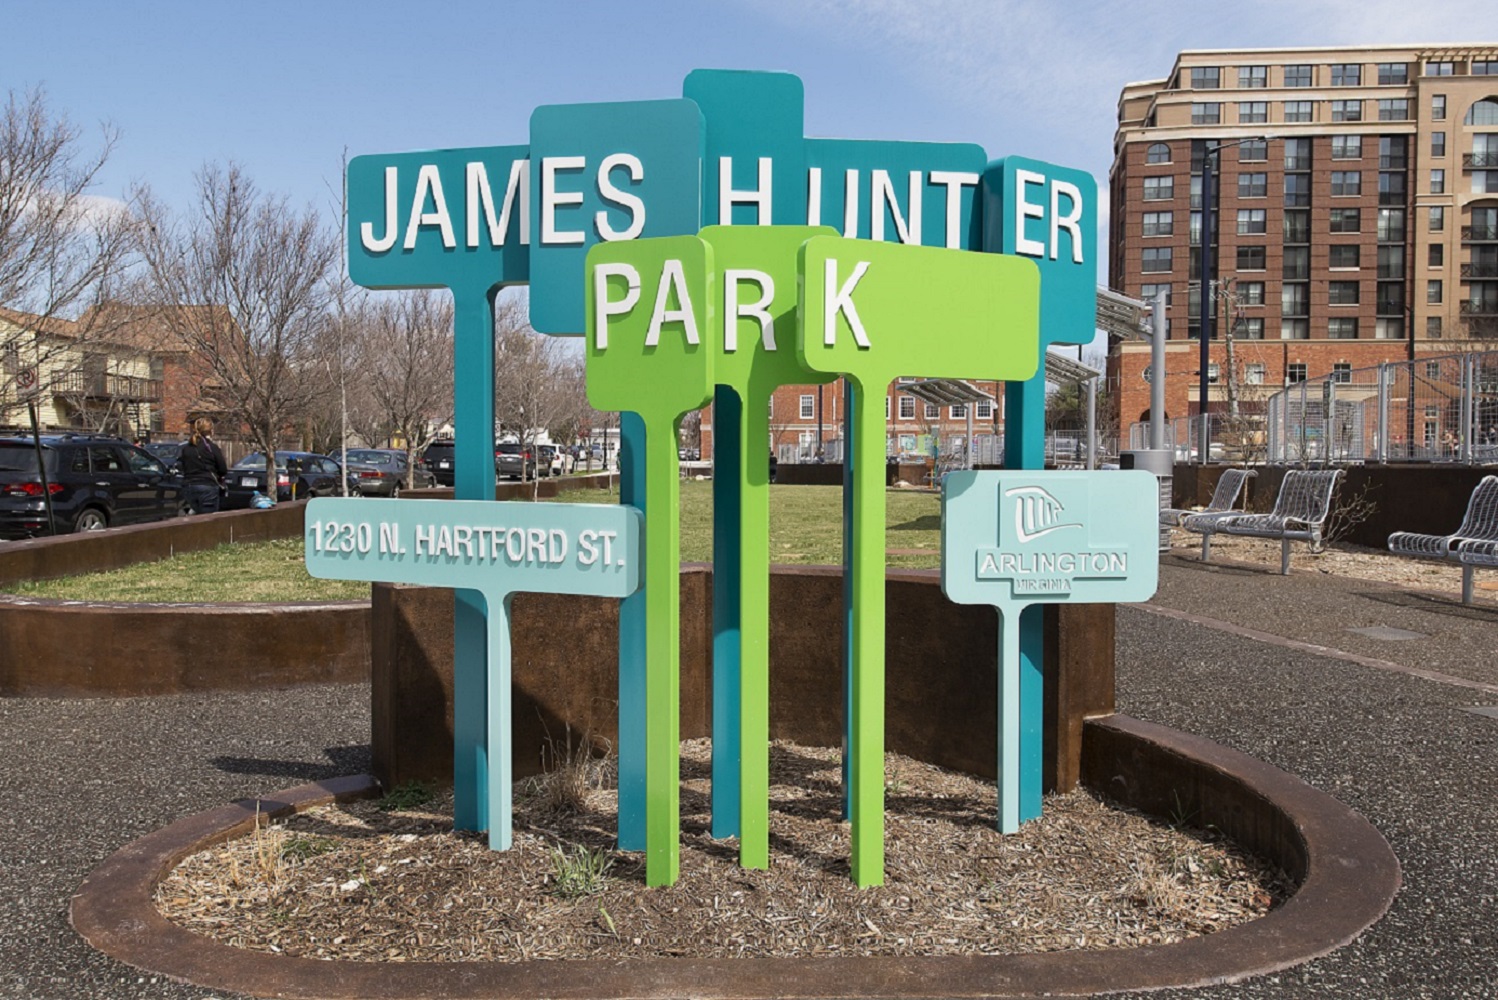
point(950, 392)
point(1061, 370)
point(1120, 316)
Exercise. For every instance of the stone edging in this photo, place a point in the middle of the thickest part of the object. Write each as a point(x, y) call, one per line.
point(1350, 876)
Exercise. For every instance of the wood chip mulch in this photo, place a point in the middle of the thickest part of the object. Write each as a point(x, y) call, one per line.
point(356, 882)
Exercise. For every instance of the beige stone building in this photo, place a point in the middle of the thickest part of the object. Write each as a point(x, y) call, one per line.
point(1356, 213)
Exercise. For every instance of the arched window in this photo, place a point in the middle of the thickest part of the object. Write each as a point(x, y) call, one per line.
point(1158, 152)
point(1484, 112)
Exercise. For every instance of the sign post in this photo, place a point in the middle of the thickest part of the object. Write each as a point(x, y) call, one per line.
point(1017, 539)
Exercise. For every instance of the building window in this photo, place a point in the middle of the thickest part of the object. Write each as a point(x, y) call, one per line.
point(1342, 328)
point(1391, 262)
point(1433, 327)
point(1206, 113)
point(1433, 292)
point(1436, 255)
point(1195, 226)
point(907, 407)
point(1437, 218)
point(932, 411)
point(1484, 67)
point(1391, 225)
point(1347, 147)
point(1390, 299)
point(1147, 292)
point(886, 407)
point(1295, 299)
point(1297, 154)
point(1254, 151)
point(1206, 77)
point(1390, 73)
point(1297, 225)
point(1298, 111)
point(808, 407)
point(1253, 112)
point(1253, 373)
point(1390, 188)
point(1295, 329)
point(1156, 259)
point(1342, 293)
point(1347, 111)
point(1253, 185)
point(1251, 293)
point(1441, 68)
point(1394, 109)
point(1346, 220)
point(1253, 77)
point(1392, 152)
point(984, 409)
point(1432, 370)
point(1214, 373)
point(1347, 75)
point(1485, 181)
point(1347, 182)
point(1159, 223)
point(1196, 190)
point(1251, 328)
point(1438, 107)
point(1251, 222)
point(1297, 76)
point(1297, 190)
point(1483, 112)
point(1438, 182)
point(1295, 372)
point(1342, 372)
point(959, 411)
point(1251, 258)
point(1343, 255)
point(1159, 188)
point(1158, 152)
point(1438, 144)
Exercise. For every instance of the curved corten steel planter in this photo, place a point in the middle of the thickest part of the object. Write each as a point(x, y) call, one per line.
point(1348, 878)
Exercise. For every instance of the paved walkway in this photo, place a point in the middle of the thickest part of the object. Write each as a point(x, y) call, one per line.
point(1343, 711)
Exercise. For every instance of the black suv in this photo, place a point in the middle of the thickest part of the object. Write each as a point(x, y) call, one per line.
point(439, 457)
point(94, 481)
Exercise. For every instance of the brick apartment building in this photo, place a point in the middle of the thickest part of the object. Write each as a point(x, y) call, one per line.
point(1355, 214)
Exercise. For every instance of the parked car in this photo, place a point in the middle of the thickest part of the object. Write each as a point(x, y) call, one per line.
point(299, 475)
point(170, 453)
point(514, 460)
point(552, 461)
point(382, 472)
point(94, 482)
point(440, 459)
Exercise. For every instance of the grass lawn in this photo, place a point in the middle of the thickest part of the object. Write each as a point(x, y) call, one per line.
point(805, 527)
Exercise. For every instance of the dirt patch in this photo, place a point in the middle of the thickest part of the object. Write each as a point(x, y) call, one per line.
point(358, 882)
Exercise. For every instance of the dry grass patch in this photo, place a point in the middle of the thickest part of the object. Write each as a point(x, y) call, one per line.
point(357, 883)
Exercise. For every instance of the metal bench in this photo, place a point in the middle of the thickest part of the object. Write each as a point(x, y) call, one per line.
point(1473, 544)
point(1224, 499)
point(1299, 514)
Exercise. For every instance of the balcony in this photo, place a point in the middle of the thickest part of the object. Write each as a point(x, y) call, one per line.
point(1480, 269)
point(1479, 161)
point(1483, 308)
point(1480, 234)
point(103, 385)
point(1482, 328)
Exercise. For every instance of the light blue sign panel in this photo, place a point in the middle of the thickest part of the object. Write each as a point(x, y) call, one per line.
point(497, 549)
point(896, 192)
point(603, 173)
point(1015, 538)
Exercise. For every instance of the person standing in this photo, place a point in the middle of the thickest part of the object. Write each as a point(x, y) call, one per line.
point(203, 468)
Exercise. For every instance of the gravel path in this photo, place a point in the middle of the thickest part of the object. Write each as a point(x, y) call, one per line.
point(82, 778)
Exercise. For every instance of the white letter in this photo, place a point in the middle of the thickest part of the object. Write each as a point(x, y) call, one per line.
point(623, 199)
point(389, 538)
point(882, 193)
point(602, 307)
point(423, 538)
point(556, 546)
point(841, 301)
point(366, 230)
point(850, 204)
point(1058, 188)
point(727, 196)
point(814, 196)
point(587, 552)
point(479, 193)
point(1027, 210)
point(954, 182)
point(429, 180)
point(734, 310)
point(552, 199)
point(672, 278)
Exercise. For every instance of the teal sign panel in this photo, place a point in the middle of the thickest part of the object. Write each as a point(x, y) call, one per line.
point(492, 548)
point(1016, 538)
point(603, 173)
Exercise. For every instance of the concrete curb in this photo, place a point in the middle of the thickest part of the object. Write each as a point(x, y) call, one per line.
point(1349, 877)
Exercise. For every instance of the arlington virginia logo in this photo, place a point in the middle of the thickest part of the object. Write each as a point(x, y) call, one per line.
point(1045, 542)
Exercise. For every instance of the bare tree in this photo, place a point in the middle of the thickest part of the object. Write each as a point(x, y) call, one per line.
point(535, 379)
point(403, 363)
point(243, 281)
point(62, 250)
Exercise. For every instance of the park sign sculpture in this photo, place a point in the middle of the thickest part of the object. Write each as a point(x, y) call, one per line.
point(1011, 242)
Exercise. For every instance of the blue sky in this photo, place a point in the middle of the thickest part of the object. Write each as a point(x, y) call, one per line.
point(285, 88)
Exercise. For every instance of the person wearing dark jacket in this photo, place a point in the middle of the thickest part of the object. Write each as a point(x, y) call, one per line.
point(203, 468)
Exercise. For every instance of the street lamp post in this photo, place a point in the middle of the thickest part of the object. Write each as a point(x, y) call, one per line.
point(1203, 434)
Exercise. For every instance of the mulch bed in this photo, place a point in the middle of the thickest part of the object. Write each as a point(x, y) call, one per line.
point(366, 883)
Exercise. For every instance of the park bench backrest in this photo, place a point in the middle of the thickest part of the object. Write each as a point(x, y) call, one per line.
point(1481, 519)
point(1306, 495)
point(1225, 497)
